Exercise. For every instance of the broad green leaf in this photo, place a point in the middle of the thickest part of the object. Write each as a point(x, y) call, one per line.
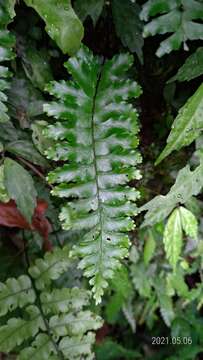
point(187, 125)
point(149, 247)
point(189, 222)
point(11, 8)
point(99, 160)
point(20, 187)
point(128, 25)
point(62, 24)
point(173, 237)
point(187, 184)
point(180, 18)
point(26, 150)
point(92, 8)
point(192, 68)
point(4, 197)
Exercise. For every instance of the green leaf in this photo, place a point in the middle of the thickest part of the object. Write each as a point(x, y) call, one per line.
point(25, 101)
point(36, 66)
point(74, 324)
point(7, 42)
point(42, 348)
point(149, 247)
point(62, 24)
point(20, 187)
point(178, 17)
point(4, 197)
point(92, 8)
point(122, 288)
point(189, 222)
point(141, 279)
point(173, 237)
point(192, 68)
point(165, 302)
point(50, 268)
point(187, 126)
point(187, 184)
point(26, 150)
point(64, 300)
point(77, 346)
point(18, 330)
point(128, 25)
point(15, 293)
point(100, 159)
point(41, 142)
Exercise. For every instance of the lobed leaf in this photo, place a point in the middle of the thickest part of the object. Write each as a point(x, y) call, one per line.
point(178, 17)
point(97, 137)
point(187, 184)
point(15, 293)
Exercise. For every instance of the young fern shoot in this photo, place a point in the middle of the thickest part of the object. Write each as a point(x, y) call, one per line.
point(96, 137)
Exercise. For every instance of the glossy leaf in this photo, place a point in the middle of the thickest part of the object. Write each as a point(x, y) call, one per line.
point(178, 17)
point(92, 8)
point(187, 125)
point(173, 237)
point(128, 25)
point(62, 24)
point(187, 184)
point(192, 68)
point(20, 187)
point(101, 156)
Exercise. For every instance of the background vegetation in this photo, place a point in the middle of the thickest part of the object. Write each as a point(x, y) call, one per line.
point(101, 118)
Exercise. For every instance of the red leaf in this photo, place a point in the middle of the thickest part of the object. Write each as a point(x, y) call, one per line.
point(10, 216)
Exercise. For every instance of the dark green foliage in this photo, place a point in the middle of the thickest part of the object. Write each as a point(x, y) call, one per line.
point(70, 184)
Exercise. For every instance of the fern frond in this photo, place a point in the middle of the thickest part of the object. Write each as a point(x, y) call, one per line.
point(179, 17)
point(18, 330)
point(97, 136)
point(56, 326)
point(7, 42)
point(15, 293)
